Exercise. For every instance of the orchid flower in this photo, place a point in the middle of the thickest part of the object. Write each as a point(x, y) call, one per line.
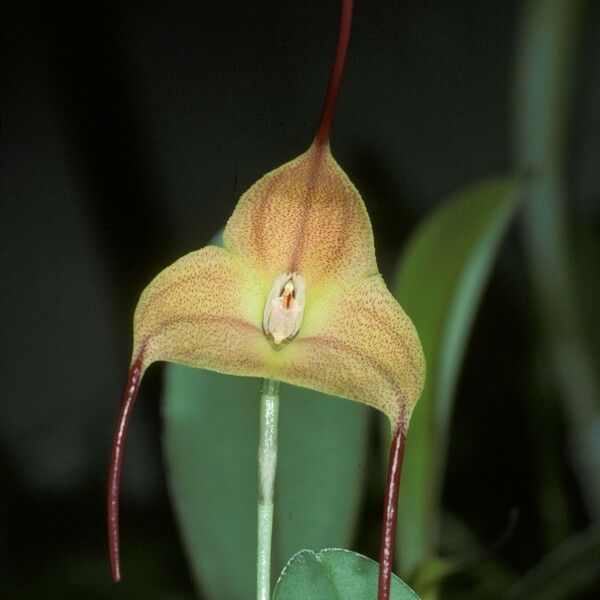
point(293, 295)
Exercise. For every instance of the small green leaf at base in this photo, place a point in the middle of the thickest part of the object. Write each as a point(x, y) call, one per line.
point(334, 574)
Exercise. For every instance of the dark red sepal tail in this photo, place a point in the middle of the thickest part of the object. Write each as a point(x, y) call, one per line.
point(335, 80)
point(390, 512)
point(130, 393)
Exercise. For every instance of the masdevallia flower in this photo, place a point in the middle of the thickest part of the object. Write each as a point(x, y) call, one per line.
point(293, 295)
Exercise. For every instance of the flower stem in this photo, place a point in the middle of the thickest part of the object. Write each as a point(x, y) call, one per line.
point(267, 465)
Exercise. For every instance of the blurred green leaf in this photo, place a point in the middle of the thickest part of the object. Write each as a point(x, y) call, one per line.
point(211, 441)
point(431, 572)
point(485, 574)
point(470, 561)
point(334, 574)
point(570, 569)
point(549, 46)
point(439, 283)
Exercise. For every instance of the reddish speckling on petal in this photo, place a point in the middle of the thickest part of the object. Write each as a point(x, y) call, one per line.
point(306, 217)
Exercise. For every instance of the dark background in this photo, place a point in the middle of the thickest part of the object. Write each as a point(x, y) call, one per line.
point(129, 130)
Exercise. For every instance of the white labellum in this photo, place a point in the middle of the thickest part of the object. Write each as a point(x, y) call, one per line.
point(284, 307)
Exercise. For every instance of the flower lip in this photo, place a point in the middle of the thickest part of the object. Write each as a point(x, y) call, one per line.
point(284, 308)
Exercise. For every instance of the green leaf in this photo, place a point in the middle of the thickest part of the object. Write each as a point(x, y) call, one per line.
point(439, 283)
point(549, 48)
point(211, 441)
point(334, 574)
point(570, 569)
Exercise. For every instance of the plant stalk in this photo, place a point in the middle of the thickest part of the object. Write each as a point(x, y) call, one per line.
point(267, 465)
